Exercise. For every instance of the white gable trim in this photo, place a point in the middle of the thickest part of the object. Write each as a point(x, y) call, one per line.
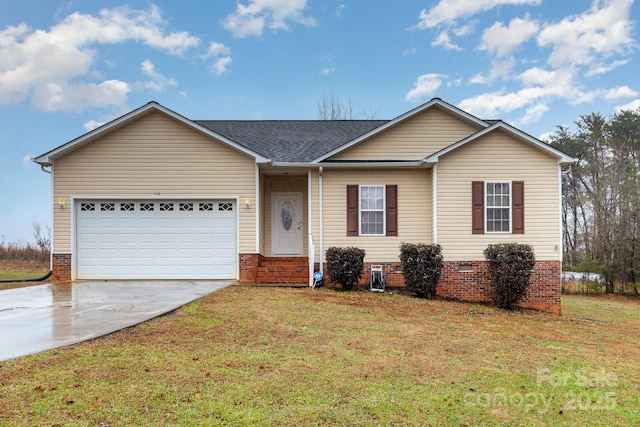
point(563, 159)
point(403, 117)
point(47, 158)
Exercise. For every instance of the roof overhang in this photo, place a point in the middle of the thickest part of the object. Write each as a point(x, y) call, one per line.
point(563, 158)
point(435, 102)
point(47, 158)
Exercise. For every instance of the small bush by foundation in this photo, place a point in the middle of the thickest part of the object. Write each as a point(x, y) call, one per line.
point(510, 266)
point(421, 266)
point(345, 266)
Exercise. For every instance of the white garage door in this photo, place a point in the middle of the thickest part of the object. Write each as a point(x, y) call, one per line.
point(169, 239)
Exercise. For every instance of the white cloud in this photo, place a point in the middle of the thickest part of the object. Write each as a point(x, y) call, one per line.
point(444, 41)
point(603, 30)
point(26, 161)
point(408, 52)
point(604, 68)
point(78, 96)
point(502, 41)
point(534, 114)
point(251, 19)
point(464, 30)
point(158, 82)
point(448, 11)
point(633, 105)
point(327, 71)
point(620, 92)
point(425, 86)
point(478, 79)
point(220, 53)
point(93, 124)
point(340, 10)
point(216, 49)
point(221, 65)
point(46, 66)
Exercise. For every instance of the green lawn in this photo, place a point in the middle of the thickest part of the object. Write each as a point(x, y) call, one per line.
point(275, 356)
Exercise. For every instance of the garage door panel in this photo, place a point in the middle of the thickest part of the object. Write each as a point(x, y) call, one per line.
point(155, 239)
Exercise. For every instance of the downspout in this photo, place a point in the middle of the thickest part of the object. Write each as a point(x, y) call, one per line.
point(320, 225)
point(434, 195)
point(311, 248)
point(42, 168)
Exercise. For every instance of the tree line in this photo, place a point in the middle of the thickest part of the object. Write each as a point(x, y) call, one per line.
point(601, 196)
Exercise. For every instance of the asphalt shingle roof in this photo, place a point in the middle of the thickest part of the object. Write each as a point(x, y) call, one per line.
point(291, 140)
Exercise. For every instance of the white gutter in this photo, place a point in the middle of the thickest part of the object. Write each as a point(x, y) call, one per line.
point(310, 246)
point(560, 243)
point(257, 203)
point(434, 195)
point(382, 164)
point(320, 225)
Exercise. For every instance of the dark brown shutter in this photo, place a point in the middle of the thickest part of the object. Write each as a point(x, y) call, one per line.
point(477, 207)
point(352, 210)
point(517, 207)
point(392, 210)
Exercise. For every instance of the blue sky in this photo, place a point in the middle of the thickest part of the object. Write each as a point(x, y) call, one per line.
point(69, 66)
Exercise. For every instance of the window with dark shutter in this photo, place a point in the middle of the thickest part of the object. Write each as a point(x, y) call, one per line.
point(477, 207)
point(370, 216)
point(517, 207)
point(392, 210)
point(352, 210)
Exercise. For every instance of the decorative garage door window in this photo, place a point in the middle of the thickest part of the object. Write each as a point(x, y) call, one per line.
point(127, 207)
point(186, 207)
point(225, 207)
point(205, 207)
point(107, 207)
point(287, 215)
point(85, 207)
point(166, 207)
point(147, 207)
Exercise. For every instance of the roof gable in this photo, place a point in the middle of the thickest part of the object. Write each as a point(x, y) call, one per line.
point(434, 103)
point(563, 158)
point(89, 137)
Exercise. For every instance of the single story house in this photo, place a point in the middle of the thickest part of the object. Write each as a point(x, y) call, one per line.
point(154, 195)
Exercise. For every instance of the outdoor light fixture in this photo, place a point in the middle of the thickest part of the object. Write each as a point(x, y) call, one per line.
point(61, 203)
point(247, 204)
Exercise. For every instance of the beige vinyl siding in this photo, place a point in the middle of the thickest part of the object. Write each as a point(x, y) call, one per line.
point(414, 210)
point(497, 157)
point(155, 154)
point(284, 184)
point(315, 212)
point(415, 138)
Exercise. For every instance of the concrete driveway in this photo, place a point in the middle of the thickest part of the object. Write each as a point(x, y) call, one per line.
point(38, 318)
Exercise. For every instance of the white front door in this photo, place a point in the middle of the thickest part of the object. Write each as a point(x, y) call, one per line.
point(287, 225)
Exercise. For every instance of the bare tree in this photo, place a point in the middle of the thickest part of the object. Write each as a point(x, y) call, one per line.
point(331, 107)
point(42, 236)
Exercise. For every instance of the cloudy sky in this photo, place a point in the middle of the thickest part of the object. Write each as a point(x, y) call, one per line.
point(66, 67)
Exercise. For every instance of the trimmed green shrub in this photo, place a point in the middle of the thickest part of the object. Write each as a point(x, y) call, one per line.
point(421, 266)
point(345, 266)
point(510, 266)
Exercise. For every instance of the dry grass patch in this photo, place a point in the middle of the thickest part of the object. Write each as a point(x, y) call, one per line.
point(21, 269)
point(272, 356)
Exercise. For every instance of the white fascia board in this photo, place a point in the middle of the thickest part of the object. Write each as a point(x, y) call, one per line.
point(401, 118)
point(47, 158)
point(347, 164)
point(563, 158)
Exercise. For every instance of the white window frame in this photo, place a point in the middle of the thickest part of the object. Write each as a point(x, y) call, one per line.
point(384, 210)
point(487, 207)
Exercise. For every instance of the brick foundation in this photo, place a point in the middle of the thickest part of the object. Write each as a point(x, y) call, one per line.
point(469, 281)
point(61, 267)
point(249, 267)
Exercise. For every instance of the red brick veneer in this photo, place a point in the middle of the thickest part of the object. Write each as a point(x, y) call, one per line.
point(61, 267)
point(249, 267)
point(469, 281)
